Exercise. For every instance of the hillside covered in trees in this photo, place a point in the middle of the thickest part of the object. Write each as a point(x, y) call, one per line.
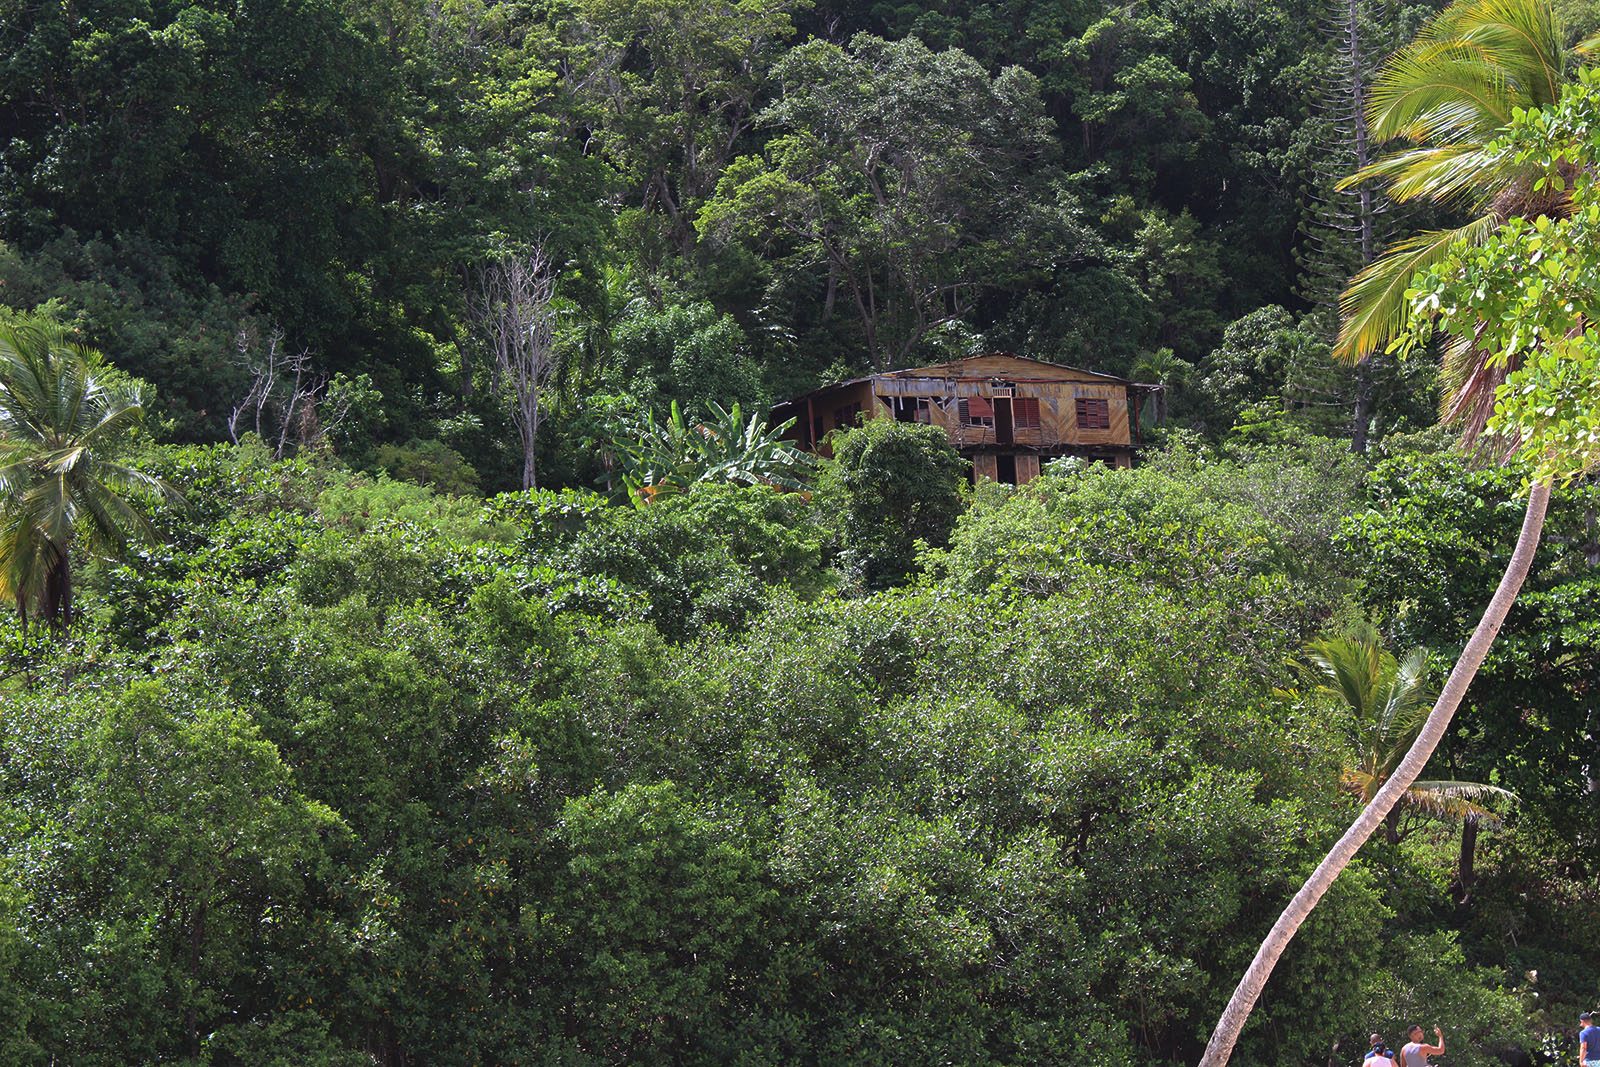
point(736, 203)
point(350, 769)
point(425, 651)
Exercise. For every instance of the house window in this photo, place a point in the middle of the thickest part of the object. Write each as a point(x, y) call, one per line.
point(844, 416)
point(912, 409)
point(976, 411)
point(1094, 413)
point(1025, 412)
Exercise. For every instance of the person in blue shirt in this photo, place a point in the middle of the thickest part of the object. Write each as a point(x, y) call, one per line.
point(1589, 1041)
point(1379, 1055)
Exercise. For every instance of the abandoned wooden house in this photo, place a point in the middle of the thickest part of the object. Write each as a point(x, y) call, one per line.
point(1007, 414)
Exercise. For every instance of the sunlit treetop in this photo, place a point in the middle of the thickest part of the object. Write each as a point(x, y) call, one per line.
point(1529, 296)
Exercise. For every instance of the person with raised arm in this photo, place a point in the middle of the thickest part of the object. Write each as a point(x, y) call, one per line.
point(1415, 1053)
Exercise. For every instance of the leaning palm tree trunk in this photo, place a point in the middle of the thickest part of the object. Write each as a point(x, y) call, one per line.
point(1226, 1035)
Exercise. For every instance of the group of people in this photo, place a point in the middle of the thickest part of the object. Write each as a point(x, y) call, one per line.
point(1415, 1054)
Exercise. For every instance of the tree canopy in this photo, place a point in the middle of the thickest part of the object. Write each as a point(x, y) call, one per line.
point(437, 670)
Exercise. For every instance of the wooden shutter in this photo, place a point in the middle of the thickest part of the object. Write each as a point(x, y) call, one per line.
point(1094, 413)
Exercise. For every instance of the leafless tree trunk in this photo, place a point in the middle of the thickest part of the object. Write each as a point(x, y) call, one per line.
point(283, 388)
point(512, 306)
point(1226, 1035)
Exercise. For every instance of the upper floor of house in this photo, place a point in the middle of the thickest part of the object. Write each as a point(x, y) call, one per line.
point(987, 405)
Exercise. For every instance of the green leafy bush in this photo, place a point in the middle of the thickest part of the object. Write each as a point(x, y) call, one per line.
point(430, 463)
point(891, 484)
point(638, 784)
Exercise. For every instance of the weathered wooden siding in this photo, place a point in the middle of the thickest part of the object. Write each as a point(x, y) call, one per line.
point(935, 395)
point(1058, 414)
point(1058, 403)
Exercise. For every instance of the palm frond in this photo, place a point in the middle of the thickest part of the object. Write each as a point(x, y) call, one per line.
point(1374, 305)
point(115, 412)
point(1360, 783)
point(1450, 173)
point(1453, 801)
point(64, 460)
point(113, 522)
point(1528, 41)
point(127, 479)
point(57, 416)
point(1404, 700)
point(17, 472)
point(1465, 790)
point(25, 560)
point(1470, 377)
point(51, 508)
point(1354, 667)
point(1440, 90)
point(1468, 68)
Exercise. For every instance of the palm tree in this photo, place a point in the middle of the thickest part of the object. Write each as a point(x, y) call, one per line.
point(1388, 701)
point(1448, 95)
point(1390, 792)
point(58, 418)
point(1161, 368)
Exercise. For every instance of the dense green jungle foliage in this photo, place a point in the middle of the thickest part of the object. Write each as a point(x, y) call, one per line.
point(360, 755)
point(741, 200)
point(348, 771)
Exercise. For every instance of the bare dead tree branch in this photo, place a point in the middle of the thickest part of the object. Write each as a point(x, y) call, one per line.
point(283, 395)
point(512, 305)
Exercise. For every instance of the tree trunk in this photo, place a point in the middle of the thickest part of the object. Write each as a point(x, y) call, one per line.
point(464, 347)
point(1469, 846)
point(1229, 1026)
point(55, 602)
point(197, 936)
point(530, 472)
point(1362, 415)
